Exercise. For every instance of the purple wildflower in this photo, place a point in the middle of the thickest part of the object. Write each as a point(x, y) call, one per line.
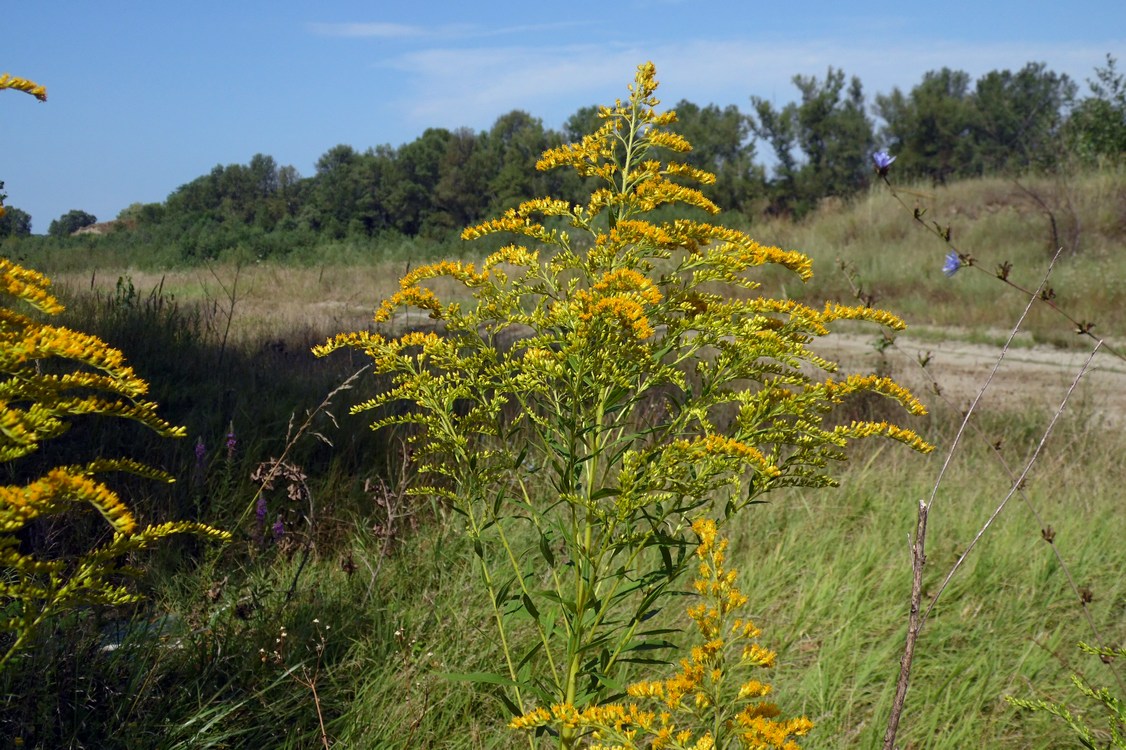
point(278, 528)
point(231, 441)
point(200, 452)
point(883, 162)
point(952, 264)
point(260, 511)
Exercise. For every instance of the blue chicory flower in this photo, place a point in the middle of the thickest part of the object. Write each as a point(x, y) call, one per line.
point(952, 264)
point(882, 161)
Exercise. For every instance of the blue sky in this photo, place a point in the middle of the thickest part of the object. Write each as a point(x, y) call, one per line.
point(145, 96)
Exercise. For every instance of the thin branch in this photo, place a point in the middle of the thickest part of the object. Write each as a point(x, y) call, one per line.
point(985, 386)
point(1016, 485)
point(914, 624)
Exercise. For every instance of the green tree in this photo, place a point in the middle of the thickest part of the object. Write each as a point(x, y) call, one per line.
point(14, 222)
point(514, 143)
point(70, 222)
point(584, 121)
point(336, 189)
point(928, 130)
point(461, 195)
point(721, 144)
point(376, 174)
point(832, 133)
point(1018, 118)
point(410, 195)
point(1097, 126)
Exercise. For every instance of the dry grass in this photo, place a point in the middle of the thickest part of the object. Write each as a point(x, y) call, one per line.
point(994, 220)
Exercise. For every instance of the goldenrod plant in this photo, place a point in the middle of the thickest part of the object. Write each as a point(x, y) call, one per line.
point(707, 703)
point(51, 375)
point(600, 387)
point(48, 376)
point(1108, 704)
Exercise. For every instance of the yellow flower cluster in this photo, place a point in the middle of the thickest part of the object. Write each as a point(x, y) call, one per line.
point(884, 429)
point(835, 311)
point(411, 296)
point(627, 280)
point(53, 492)
point(22, 84)
point(692, 173)
point(516, 221)
point(85, 376)
point(617, 310)
point(585, 157)
point(28, 285)
point(512, 255)
point(463, 272)
point(696, 698)
point(853, 383)
point(721, 445)
point(658, 191)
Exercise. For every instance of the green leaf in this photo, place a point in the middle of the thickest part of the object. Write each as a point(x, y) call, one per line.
point(530, 606)
point(502, 596)
point(481, 678)
point(535, 649)
point(605, 492)
point(545, 550)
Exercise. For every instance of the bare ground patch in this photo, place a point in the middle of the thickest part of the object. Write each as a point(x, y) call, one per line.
point(1027, 378)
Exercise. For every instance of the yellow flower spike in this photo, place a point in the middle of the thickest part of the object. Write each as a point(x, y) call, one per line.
point(759, 656)
point(54, 374)
point(22, 84)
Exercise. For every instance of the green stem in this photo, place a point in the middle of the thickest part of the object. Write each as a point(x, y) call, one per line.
point(518, 572)
point(585, 559)
point(490, 589)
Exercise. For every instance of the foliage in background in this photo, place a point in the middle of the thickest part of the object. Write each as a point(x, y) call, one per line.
point(607, 394)
point(70, 222)
point(820, 142)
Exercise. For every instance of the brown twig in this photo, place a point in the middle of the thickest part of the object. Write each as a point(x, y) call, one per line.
point(1016, 485)
point(914, 624)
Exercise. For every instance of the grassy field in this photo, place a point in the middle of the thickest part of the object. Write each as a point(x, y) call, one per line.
point(373, 589)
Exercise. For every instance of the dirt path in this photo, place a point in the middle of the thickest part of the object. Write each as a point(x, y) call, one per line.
point(1034, 378)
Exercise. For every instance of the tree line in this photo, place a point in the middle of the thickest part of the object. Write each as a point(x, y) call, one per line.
point(946, 127)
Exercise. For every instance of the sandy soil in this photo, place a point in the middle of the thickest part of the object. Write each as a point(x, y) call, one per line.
point(1034, 378)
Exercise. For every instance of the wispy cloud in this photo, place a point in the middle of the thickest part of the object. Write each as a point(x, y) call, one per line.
point(445, 32)
point(363, 30)
point(461, 86)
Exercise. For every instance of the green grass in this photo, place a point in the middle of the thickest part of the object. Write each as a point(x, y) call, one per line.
point(828, 575)
point(832, 575)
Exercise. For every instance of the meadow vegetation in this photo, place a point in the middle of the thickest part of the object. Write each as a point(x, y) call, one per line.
point(338, 613)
